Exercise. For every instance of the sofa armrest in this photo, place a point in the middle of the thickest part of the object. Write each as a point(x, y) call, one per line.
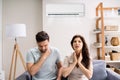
point(111, 75)
point(24, 76)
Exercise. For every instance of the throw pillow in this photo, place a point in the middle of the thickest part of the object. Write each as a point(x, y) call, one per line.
point(99, 70)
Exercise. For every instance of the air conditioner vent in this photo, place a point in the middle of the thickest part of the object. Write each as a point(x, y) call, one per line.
point(65, 9)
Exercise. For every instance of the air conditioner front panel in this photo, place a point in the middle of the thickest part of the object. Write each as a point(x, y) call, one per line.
point(64, 9)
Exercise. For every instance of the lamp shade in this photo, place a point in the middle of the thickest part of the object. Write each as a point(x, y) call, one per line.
point(16, 30)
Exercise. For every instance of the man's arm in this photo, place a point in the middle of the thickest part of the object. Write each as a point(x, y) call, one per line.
point(33, 68)
point(59, 65)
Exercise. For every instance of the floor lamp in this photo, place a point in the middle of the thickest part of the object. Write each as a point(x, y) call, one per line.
point(15, 31)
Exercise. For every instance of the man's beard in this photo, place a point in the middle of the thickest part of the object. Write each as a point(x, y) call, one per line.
point(43, 51)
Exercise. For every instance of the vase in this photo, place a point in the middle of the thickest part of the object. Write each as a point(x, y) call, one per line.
point(114, 41)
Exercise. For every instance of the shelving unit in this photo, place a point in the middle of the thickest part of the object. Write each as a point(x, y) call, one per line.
point(100, 35)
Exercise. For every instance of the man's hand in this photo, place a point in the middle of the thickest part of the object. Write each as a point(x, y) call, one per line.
point(34, 68)
point(46, 54)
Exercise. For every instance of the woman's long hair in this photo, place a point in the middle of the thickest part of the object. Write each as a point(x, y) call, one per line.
point(85, 51)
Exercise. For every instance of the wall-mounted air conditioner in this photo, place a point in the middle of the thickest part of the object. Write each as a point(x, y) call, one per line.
point(65, 9)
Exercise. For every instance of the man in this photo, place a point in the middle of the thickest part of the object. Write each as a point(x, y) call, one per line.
point(43, 62)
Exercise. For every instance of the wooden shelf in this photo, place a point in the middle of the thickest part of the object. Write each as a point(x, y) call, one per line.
point(95, 32)
point(107, 32)
point(108, 17)
point(112, 61)
point(112, 17)
point(97, 46)
point(112, 46)
point(110, 32)
point(110, 8)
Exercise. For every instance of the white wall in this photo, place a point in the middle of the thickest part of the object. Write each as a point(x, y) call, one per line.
point(0, 35)
point(62, 29)
point(28, 12)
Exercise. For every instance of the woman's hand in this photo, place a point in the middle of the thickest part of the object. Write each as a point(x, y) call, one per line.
point(75, 58)
point(80, 58)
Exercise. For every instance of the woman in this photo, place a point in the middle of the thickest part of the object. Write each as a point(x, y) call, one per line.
point(78, 66)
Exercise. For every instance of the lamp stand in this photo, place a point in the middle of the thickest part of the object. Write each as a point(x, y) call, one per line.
point(16, 53)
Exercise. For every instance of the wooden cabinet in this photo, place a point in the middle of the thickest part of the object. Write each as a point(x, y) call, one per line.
point(102, 15)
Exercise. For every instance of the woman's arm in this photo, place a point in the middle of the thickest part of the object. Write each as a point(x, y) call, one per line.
point(87, 72)
point(67, 70)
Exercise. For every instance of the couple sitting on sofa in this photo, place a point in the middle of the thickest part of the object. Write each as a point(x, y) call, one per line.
point(43, 60)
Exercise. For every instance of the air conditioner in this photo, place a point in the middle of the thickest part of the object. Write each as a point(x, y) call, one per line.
point(65, 9)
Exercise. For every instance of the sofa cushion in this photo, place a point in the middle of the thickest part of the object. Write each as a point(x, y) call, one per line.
point(99, 70)
point(24, 76)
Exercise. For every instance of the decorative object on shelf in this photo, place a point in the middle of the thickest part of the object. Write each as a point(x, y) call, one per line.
point(117, 70)
point(98, 30)
point(114, 51)
point(111, 27)
point(113, 13)
point(107, 57)
point(14, 31)
point(119, 11)
point(97, 44)
point(115, 56)
point(106, 40)
point(114, 41)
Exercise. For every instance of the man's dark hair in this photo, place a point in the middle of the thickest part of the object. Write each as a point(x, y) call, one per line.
point(42, 36)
